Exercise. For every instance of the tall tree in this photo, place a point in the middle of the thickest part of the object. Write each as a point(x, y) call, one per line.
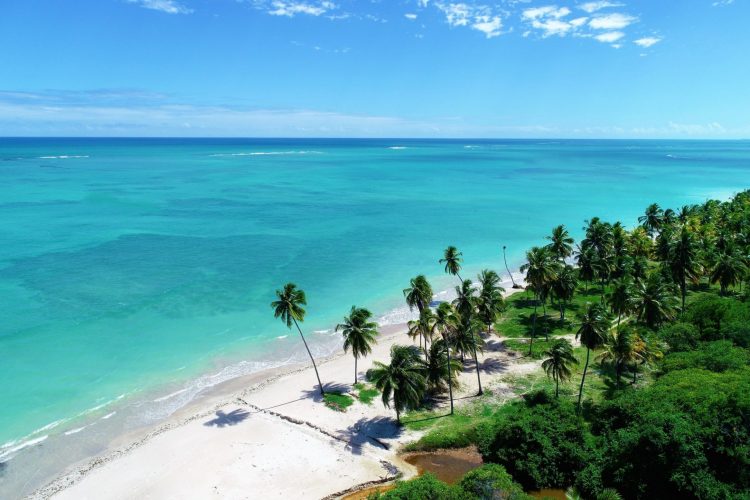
point(654, 301)
point(490, 303)
point(467, 339)
point(619, 298)
point(564, 288)
point(403, 379)
point(585, 260)
point(652, 219)
point(558, 363)
point(620, 349)
point(592, 331)
point(359, 334)
point(684, 261)
point(541, 271)
point(439, 373)
point(422, 327)
point(560, 243)
point(465, 301)
point(728, 270)
point(418, 294)
point(445, 324)
point(288, 307)
point(452, 259)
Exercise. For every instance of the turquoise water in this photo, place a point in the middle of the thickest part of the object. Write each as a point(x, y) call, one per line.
point(136, 269)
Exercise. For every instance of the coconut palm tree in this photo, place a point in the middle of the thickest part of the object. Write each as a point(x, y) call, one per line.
point(652, 219)
point(619, 298)
point(585, 260)
point(439, 373)
point(446, 321)
point(561, 243)
point(403, 379)
point(728, 270)
point(490, 303)
point(541, 271)
point(564, 288)
point(558, 363)
point(639, 243)
point(620, 349)
point(359, 334)
point(467, 339)
point(422, 327)
point(654, 301)
point(452, 259)
point(419, 293)
point(592, 331)
point(512, 280)
point(684, 261)
point(465, 301)
point(289, 308)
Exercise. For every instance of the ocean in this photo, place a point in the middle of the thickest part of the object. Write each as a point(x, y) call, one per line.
point(137, 273)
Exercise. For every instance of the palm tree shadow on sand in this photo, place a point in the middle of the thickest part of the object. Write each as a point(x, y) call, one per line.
point(329, 387)
point(371, 430)
point(228, 419)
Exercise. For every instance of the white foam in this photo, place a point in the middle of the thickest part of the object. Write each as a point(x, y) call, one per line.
point(75, 431)
point(168, 396)
point(282, 337)
point(62, 157)
point(270, 153)
point(9, 453)
point(397, 147)
point(108, 415)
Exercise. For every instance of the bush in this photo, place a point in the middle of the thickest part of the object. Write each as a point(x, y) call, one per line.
point(541, 443)
point(337, 401)
point(716, 356)
point(490, 482)
point(680, 336)
point(426, 487)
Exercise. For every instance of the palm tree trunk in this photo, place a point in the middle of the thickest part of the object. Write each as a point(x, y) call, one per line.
point(479, 380)
point(533, 330)
point(583, 378)
point(683, 291)
point(355, 369)
point(508, 269)
point(450, 376)
point(635, 372)
point(398, 416)
point(562, 312)
point(320, 384)
point(557, 387)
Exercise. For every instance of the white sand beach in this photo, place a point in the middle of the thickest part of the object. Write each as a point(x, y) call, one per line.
point(271, 438)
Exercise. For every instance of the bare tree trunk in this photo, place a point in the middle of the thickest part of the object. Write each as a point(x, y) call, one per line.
point(583, 378)
point(320, 384)
point(450, 376)
point(479, 380)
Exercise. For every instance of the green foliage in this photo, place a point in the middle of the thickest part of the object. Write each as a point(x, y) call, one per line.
point(365, 393)
point(490, 482)
point(337, 401)
point(425, 487)
point(680, 336)
point(717, 356)
point(541, 443)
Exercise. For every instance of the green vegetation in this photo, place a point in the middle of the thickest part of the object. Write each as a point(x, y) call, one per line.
point(337, 401)
point(359, 334)
point(365, 393)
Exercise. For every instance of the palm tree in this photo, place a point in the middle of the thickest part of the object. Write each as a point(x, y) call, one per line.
point(639, 243)
point(289, 308)
point(684, 261)
point(403, 379)
point(585, 260)
point(359, 334)
point(465, 301)
point(419, 293)
point(445, 323)
point(619, 298)
point(439, 373)
point(652, 219)
point(728, 270)
point(561, 244)
point(452, 259)
point(654, 301)
point(564, 288)
point(620, 349)
point(557, 366)
point(541, 271)
point(467, 339)
point(422, 327)
point(490, 302)
point(594, 327)
point(512, 280)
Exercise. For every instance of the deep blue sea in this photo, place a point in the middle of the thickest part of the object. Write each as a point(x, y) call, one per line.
point(135, 273)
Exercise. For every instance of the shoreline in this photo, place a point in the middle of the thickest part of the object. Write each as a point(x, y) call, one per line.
point(228, 394)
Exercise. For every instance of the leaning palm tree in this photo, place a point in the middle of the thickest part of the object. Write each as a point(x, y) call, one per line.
point(446, 321)
point(359, 334)
point(452, 259)
point(490, 303)
point(654, 301)
point(419, 293)
point(593, 329)
point(289, 308)
point(439, 373)
point(684, 261)
point(561, 243)
point(558, 364)
point(403, 379)
point(728, 270)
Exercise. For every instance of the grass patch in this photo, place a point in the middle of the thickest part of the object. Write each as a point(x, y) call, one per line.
point(366, 394)
point(337, 401)
point(538, 348)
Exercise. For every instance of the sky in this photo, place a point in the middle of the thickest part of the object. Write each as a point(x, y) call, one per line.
point(375, 68)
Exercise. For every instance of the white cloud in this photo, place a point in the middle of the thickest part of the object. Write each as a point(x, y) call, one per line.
point(550, 20)
point(614, 21)
point(610, 37)
point(478, 17)
point(168, 6)
point(722, 3)
point(579, 21)
point(592, 7)
point(290, 8)
point(410, 16)
point(547, 11)
point(647, 41)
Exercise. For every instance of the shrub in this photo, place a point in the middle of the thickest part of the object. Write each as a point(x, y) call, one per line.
point(716, 356)
point(541, 443)
point(426, 487)
point(337, 401)
point(680, 336)
point(490, 482)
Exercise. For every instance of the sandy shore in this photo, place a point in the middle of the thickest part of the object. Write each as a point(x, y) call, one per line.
point(269, 435)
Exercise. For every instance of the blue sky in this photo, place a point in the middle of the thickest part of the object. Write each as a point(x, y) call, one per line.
point(375, 68)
